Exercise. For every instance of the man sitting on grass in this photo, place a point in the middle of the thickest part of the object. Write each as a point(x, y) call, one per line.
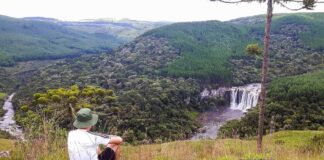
point(83, 145)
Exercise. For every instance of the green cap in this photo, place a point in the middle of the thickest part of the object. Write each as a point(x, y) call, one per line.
point(84, 118)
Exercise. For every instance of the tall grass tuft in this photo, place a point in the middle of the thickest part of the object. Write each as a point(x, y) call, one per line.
point(48, 144)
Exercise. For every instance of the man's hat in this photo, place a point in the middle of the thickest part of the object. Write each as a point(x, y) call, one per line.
point(84, 118)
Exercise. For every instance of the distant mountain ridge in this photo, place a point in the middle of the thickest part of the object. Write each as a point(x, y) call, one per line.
point(124, 29)
point(37, 38)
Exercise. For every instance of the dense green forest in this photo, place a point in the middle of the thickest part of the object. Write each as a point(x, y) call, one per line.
point(204, 47)
point(149, 108)
point(308, 27)
point(214, 51)
point(153, 111)
point(23, 39)
point(293, 103)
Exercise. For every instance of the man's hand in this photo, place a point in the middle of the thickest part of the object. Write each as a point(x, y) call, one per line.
point(115, 140)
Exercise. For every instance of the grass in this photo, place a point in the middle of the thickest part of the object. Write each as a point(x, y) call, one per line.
point(6, 144)
point(283, 145)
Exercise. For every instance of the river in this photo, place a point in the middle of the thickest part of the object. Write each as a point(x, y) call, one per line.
point(213, 120)
point(7, 122)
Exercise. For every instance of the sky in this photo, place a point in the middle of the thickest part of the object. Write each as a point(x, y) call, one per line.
point(147, 10)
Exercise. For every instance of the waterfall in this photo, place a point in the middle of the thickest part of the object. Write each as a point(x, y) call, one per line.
point(241, 99)
point(245, 97)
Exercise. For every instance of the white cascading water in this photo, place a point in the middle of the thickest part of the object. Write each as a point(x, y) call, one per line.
point(245, 97)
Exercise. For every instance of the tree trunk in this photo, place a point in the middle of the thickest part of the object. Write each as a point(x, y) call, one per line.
point(264, 75)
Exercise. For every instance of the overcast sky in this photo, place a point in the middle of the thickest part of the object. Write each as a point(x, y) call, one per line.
point(149, 10)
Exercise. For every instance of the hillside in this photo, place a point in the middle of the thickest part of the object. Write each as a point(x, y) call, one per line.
point(124, 30)
point(216, 50)
point(296, 47)
point(283, 145)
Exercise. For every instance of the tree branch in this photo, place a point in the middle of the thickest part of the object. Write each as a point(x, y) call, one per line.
point(292, 9)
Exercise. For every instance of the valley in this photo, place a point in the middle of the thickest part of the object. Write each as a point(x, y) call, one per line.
point(155, 83)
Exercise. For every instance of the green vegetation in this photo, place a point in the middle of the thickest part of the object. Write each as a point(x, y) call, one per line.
point(60, 105)
point(204, 47)
point(283, 145)
point(3, 97)
point(23, 39)
point(294, 102)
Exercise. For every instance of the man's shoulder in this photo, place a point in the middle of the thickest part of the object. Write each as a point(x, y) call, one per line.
point(72, 131)
point(77, 133)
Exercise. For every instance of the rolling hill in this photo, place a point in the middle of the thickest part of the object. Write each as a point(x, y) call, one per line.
point(37, 38)
point(23, 40)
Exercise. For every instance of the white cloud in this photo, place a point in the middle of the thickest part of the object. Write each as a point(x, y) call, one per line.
point(151, 10)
